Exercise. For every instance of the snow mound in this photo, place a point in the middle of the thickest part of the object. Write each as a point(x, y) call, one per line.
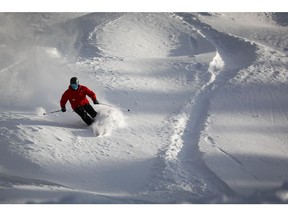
point(107, 119)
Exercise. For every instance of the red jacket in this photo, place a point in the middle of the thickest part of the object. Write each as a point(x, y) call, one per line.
point(77, 97)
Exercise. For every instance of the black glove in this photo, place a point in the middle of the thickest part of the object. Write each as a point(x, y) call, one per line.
point(96, 102)
point(63, 109)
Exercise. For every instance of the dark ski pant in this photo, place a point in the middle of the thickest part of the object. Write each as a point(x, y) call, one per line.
point(83, 112)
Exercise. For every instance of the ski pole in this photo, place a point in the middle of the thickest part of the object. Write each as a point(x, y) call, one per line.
point(52, 112)
point(115, 107)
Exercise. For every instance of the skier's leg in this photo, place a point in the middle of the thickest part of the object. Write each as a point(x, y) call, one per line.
point(90, 110)
point(81, 112)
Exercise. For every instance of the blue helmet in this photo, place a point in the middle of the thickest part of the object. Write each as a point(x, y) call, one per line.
point(74, 83)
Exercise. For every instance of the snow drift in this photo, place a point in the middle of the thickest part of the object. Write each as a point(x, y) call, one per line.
point(207, 94)
point(107, 119)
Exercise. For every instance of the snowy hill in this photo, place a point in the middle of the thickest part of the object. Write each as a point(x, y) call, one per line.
point(207, 100)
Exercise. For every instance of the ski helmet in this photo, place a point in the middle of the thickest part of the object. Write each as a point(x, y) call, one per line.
point(74, 83)
point(74, 80)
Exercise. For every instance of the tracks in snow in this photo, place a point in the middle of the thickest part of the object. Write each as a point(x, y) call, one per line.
point(183, 164)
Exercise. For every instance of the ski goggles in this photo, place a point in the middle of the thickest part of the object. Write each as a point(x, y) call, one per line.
point(74, 86)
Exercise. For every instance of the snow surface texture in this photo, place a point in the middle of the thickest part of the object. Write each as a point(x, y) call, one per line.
point(207, 94)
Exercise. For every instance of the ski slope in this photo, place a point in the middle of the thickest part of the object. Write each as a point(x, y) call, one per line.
point(206, 94)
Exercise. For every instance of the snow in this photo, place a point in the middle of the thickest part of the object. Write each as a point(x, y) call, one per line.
point(193, 108)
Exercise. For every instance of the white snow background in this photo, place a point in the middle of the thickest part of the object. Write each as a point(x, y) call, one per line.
point(207, 100)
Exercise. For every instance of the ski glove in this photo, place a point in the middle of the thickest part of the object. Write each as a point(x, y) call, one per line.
point(63, 109)
point(96, 102)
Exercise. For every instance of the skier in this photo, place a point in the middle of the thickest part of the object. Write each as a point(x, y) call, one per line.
point(76, 94)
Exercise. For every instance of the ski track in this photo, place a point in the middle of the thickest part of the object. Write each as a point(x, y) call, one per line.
point(182, 153)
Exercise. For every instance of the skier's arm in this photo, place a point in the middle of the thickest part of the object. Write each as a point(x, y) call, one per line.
point(63, 102)
point(92, 95)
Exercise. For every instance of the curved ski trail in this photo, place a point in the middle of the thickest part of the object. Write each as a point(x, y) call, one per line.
point(184, 165)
